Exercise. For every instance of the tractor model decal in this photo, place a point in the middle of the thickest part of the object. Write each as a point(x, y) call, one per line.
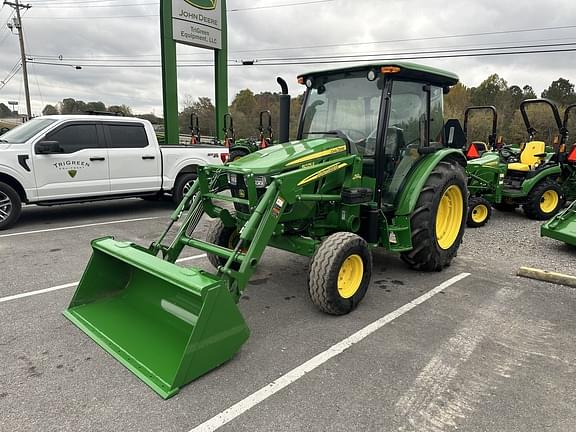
point(322, 173)
point(318, 155)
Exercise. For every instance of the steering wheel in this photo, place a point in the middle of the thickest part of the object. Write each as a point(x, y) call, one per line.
point(508, 155)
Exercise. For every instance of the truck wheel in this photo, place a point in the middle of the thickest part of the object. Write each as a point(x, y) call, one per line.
point(438, 220)
point(10, 206)
point(340, 273)
point(183, 184)
point(236, 154)
point(221, 235)
point(479, 212)
point(544, 200)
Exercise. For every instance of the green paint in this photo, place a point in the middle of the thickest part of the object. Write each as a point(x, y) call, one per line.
point(418, 176)
point(562, 227)
point(169, 75)
point(167, 324)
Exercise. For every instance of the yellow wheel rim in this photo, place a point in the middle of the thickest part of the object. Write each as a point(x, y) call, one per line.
point(549, 201)
point(449, 217)
point(350, 276)
point(479, 213)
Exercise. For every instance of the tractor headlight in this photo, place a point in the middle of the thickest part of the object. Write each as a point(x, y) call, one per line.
point(260, 182)
point(232, 179)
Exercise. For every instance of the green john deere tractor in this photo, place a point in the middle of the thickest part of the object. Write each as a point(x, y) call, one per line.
point(535, 179)
point(562, 227)
point(374, 166)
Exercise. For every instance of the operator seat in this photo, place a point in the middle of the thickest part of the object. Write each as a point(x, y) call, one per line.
point(530, 157)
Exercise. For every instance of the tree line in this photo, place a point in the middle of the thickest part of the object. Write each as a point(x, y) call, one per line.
point(246, 107)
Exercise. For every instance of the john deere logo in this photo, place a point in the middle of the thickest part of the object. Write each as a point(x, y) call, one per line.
point(203, 4)
point(72, 173)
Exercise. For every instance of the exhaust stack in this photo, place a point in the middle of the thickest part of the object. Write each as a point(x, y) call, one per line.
point(284, 121)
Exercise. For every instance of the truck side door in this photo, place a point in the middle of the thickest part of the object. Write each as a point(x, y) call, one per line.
point(135, 161)
point(78, 168)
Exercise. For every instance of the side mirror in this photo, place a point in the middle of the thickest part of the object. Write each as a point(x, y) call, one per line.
point(48, 147)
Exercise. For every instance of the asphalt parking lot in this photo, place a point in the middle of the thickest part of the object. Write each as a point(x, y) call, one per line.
point(471, 348)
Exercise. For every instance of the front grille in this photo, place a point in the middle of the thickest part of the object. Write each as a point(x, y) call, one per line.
point(241, 191)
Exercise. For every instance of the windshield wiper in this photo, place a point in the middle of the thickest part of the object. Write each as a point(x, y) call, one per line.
point(3, 140)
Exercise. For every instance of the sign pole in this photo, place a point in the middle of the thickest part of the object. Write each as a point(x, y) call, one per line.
point(169, 75)
point(221, 76)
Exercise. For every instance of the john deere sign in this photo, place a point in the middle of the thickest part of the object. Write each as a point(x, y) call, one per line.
point(197, 22)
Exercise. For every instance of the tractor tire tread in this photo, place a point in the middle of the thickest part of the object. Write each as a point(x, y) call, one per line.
point(321, 272)
point(426, 254)
point(532, 205)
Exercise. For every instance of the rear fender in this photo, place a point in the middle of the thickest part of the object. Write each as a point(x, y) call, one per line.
point(419, 175)
point(553, 173)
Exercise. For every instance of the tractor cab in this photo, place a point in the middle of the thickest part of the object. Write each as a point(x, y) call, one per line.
point(533, 154)
point(389, 115)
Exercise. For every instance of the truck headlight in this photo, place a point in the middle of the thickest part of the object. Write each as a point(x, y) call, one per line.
point(232, 179)
point(260, 182)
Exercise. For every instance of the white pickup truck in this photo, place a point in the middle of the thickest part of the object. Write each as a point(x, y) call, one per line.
point(77, 158)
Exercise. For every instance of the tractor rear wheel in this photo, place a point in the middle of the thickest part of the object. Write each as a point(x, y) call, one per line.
point(544, 200)
point(340, 273)
point(221, 235)
point(479, 212)
point(438, 220)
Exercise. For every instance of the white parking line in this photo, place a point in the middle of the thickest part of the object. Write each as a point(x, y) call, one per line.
point(72, 284)
point(285, 380)
point(80, 226)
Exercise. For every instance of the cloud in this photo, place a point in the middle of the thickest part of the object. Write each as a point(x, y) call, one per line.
point(78, 35)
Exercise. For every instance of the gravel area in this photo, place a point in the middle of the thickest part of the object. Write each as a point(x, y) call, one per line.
point(510, 240)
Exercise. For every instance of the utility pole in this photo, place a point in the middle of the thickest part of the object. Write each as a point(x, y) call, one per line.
point(18, 25)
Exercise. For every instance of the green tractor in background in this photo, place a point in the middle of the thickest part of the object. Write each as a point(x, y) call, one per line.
point(480, 208)
point(537, 180)
point(374, 166)
point(562, 227)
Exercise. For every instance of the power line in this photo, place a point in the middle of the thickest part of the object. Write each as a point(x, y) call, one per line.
point(156, 15)
point(330, 61)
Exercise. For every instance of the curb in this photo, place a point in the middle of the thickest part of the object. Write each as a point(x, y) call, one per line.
point(547, 276)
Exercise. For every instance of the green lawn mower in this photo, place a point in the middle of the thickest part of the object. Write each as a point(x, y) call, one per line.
point(363, 173)
point(537, 180)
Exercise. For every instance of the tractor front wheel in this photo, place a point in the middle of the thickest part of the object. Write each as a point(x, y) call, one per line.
point(544, 201)
point(438, 220)
point(340, 273)
point(479, 212)
point(221, 235)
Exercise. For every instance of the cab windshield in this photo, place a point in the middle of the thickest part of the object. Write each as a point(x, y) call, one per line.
point(346, 102)
point(25, 131)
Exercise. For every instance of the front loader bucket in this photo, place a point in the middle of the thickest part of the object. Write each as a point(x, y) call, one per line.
point(562, 226)
point(167, 324)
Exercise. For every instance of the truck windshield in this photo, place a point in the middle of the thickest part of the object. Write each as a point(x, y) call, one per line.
point(346, 102)
point(25, 131)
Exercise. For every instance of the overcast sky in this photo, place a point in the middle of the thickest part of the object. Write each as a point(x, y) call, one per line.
point(113, 32)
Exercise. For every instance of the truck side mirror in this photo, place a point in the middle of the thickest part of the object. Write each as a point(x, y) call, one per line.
point(48, 147)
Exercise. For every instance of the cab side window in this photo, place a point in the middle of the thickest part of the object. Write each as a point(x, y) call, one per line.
point(127, 135)
point(75, 137)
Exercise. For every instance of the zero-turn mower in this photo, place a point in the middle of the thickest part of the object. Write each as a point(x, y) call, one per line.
point(374, 166)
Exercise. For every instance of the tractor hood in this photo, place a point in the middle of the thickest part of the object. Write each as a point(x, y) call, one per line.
point(282, 157)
